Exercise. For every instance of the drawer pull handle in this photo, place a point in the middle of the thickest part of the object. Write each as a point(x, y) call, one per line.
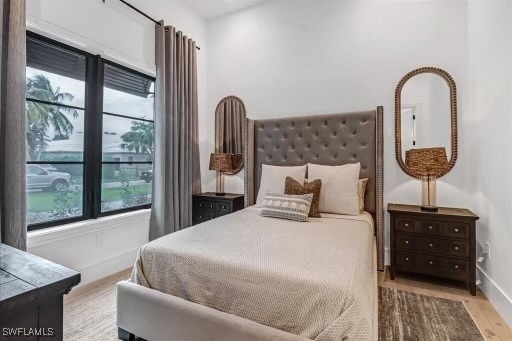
point(456, 248)
point(200, 216)
point(431, 245)
point(223, 207)
point(406, 225)
point(456, 230)
point(431, 263)
point(407, 242)
point(430, 227)
point(406, 259)
point(456, 266)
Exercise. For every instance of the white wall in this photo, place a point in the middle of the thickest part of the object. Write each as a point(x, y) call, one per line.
point(101, 247)
point(489, 133)
point(430, 94)
point(301, 57)
point(95, 248)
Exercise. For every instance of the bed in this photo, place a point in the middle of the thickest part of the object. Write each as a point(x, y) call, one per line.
point(270, 279)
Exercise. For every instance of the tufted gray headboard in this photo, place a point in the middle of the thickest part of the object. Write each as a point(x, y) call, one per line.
point(333, 139)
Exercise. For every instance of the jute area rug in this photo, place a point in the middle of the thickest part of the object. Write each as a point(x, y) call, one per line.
point(407, 316)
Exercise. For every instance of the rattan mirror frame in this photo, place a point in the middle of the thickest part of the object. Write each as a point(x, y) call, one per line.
point(398, 117)
point(217, 138)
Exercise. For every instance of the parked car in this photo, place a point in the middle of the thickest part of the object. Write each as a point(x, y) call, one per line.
point(46, 166)
point(46, 179)
point(147, 175)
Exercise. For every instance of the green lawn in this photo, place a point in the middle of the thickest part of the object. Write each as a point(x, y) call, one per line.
point(78, 179)
point(43, 201)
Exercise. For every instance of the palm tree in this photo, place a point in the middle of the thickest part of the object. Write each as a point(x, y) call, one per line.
point(37, 140)
point(139, 139)
point(41, 116)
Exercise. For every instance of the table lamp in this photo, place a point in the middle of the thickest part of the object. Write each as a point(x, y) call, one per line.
point(223, 162)
point(429, 163)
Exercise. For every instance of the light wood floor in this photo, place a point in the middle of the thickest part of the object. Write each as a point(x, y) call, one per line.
point(87, 288)
point(486, 317)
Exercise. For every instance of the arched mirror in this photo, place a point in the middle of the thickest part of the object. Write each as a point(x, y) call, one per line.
point(426, 122)
point(230, 130)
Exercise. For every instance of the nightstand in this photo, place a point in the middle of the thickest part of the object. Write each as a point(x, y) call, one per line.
point(208, 206)
point(440, 244)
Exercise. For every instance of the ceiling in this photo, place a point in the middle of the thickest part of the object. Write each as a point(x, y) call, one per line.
point(209, 9)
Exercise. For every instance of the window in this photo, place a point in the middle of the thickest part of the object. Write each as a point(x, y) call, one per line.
point(127, 147)
point(89, 136)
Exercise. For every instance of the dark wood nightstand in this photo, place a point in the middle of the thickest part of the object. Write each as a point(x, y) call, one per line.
point(208, 206)
point(440, 244)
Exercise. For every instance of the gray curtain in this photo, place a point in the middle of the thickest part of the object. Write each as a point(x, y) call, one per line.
point(176, 165)
point(13, 230)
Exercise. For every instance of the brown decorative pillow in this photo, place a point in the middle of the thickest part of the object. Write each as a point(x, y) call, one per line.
point(292, 186)
point(362, 191)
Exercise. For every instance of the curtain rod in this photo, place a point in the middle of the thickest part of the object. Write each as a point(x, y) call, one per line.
point(144, 14)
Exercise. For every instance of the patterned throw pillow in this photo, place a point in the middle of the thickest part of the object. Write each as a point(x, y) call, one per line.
point(292, 186)
point(285, 206)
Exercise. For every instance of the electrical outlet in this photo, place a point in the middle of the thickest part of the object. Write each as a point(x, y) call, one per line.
point(488, 250)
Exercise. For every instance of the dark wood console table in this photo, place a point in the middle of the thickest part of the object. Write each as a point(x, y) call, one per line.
point(31, 294)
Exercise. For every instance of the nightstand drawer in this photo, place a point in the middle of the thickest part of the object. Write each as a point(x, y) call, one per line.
point(457, 248)
point(428, 264)
point(207, 206)
point(456, 266)
point(211, 216)
point(456, 230)
point(405, 225)
point(224, 207)
point(404, 242)
point(434, 245)
point(202, 217)
point(199, 217)
point(405, 260)
point(429, 227)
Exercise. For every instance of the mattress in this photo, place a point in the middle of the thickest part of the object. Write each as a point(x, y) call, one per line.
point(315, 279)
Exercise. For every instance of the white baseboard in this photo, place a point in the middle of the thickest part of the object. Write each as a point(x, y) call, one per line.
point(499, 299)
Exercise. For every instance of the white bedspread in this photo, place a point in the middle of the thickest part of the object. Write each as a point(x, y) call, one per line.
point(315, 279)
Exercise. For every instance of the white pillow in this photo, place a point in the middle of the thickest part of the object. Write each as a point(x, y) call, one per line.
point(340, 187)
point(273, 178)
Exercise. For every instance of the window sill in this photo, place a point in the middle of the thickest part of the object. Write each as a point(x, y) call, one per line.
point(51, 234)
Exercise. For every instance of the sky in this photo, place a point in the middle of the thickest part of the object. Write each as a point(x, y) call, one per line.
point(114, 101)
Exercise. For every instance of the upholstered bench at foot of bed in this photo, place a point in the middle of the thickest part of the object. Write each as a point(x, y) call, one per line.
point(156, 316)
